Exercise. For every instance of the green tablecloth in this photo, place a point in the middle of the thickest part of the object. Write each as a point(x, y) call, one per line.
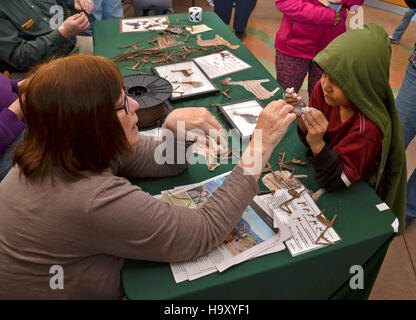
point(366, 233)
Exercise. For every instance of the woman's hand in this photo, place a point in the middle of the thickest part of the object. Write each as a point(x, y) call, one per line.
point(16, 109)
point(316, 126)
point(272, 125)
point(194, 118)
point(20, 83)
point(274, 121)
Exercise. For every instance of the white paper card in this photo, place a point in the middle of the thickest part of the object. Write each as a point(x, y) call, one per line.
point(395, 225)
point(382, 206)
point(219, 64)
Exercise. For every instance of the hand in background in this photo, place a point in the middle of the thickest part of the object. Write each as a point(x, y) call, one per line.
point(74, 25)
point(337, 18)
point(16, 109)
point(86, 5)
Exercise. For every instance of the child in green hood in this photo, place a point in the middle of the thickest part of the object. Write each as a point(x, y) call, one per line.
point(352, 127)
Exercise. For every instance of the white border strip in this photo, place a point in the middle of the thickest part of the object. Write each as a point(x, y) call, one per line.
point(345, 179)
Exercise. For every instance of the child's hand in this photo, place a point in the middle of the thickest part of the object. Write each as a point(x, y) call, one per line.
point(291, 97)
point(337, 18)
point(316, 124)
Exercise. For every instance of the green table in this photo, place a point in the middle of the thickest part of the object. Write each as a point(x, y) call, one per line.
point(322, 274)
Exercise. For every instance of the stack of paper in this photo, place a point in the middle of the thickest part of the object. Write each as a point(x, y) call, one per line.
point(302, 221)
point(252, 236)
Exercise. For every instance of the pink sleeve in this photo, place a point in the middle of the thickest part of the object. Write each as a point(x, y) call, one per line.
point(306, 12)
point(349, 3)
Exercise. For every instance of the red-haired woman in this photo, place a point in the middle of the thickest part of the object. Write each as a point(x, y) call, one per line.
point(67, 201)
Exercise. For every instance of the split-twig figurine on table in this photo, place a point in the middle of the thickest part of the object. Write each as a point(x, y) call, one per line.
point(295, 194)
point(328, 224)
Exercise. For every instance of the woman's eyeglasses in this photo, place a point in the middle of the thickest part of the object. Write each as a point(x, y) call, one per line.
point(125, 106)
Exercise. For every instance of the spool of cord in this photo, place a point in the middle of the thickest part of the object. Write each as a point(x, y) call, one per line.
point(195, 14)
point(152, 94)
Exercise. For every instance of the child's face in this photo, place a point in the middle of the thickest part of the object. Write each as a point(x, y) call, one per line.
point(334, 96)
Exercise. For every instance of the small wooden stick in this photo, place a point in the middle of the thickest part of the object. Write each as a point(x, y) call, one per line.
point(327, 243)
point(225, 93)
point(298, 162)
point(266, 192)
point(135, 66)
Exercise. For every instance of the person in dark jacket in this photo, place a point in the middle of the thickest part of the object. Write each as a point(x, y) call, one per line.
point(29, 32)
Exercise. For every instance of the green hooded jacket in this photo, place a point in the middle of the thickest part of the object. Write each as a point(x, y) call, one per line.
point(358, 61)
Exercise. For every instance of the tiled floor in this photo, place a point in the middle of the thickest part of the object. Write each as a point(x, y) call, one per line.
point(397, 277)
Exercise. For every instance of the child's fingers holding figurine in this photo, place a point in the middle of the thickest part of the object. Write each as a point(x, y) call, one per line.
point(315, 119)
point(316, 125)
point(291, 97)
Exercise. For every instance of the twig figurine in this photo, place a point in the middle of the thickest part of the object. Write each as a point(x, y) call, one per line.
point(328, 224)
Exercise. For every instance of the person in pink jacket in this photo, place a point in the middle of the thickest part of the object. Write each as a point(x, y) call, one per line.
point(307, 28)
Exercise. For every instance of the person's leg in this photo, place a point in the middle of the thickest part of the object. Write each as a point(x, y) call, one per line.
point(6, 158)
point(140, 6)
point(243, 10)
point(314, 75)
point(112, 9)
point(290, 71)
point(407, 17)
point(98, 9)
point(223, 8)
point(163, 7)
point(97, 13)
point(406, 104)
point(410, 199)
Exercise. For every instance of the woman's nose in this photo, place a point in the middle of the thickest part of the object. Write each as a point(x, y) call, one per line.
point(134, 105)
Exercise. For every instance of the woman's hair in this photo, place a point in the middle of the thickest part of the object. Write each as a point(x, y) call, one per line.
point(72, 127)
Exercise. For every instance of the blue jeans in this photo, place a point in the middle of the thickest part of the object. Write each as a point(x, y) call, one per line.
point(408, 15)
point(406, 103)
point(143, 7)
point(6, 157)
point(106, 9)
point(243, 9)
